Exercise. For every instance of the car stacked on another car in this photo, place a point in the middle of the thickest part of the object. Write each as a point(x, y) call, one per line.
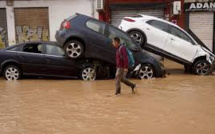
point(83, 36)
point(43, 59)
point(169, 40)
point(84, 49)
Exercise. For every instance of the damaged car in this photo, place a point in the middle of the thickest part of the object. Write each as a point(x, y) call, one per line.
point(169, 40)
point(82, 36)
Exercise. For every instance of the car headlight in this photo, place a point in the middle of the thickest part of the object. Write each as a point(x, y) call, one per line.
point(210, 59)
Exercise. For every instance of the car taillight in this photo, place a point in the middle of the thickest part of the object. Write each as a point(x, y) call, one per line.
point(129, 20)
point(66, 25)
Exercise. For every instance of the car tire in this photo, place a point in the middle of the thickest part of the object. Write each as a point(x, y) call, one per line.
point(12, 72)
point(74, 49)
point(201, 67)
point(146, 71)
point(88, 73)
point(138, 37)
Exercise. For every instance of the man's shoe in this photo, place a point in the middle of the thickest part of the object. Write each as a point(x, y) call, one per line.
point(117, 93)
point(134, 89)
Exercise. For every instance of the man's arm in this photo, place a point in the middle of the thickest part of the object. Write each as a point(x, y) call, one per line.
point(125, 58)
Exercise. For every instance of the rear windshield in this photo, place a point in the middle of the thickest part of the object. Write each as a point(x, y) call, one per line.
point(68, 19)
point(13, 48)
point(71, 17)
point(136, 16)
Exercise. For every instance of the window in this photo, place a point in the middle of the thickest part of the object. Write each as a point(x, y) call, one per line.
point(33, 48)
point(159, 25)
point(54, 50)
point(16, 48)
point(96, 26)
point(178, 33)
point(124, 38)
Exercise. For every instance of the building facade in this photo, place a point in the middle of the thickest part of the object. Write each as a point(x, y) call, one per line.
point(200, 20)
point(195, 16)
point(29, 20)
point(115, 10)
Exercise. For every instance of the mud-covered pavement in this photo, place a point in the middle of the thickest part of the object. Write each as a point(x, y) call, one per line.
point(178, 104)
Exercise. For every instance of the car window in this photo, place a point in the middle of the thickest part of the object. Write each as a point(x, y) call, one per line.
point(96, 26)
point(159, 25)
point(33, 48)
point(178, 33)
point(16, 48)
point(124, 38)
point(54, 50)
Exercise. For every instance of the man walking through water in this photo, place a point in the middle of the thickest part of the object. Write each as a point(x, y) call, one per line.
point(122, 67)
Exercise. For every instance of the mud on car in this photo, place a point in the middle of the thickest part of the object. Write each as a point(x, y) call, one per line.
point(85, 37)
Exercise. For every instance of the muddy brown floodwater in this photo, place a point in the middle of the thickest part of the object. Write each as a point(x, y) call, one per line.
point(178, 104)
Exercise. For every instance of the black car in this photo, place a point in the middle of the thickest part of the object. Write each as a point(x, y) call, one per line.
point(85, 37)
point(47, 59)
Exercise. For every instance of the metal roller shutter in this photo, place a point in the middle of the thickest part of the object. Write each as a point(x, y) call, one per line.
point(31, 24)
point(201, 23)
point(3, 28)
point(118, 15)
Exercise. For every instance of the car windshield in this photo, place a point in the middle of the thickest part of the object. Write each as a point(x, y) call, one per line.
point(124, 38)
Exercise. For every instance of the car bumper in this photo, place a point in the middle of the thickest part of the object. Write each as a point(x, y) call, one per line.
point(59, 36)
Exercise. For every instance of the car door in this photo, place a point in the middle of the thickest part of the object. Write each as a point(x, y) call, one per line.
point(180, 44)
point(57, 63)
point(32, 58)
point(156, 33)
point(100, 46)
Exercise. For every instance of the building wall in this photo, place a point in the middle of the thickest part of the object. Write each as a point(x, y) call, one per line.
point(58, 10)
point(3, 28)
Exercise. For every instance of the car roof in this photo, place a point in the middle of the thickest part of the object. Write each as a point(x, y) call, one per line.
point(159, 19)
point(141, 17)
point(32, 42)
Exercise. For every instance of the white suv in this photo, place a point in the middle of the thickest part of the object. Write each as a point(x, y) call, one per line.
point(168, 40)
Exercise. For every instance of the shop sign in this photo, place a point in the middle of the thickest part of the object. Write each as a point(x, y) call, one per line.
point(199, 6)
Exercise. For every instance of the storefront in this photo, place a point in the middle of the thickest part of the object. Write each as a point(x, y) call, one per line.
point(200, 20)
point(38, 19)
point(116, 10)
point(119, 11)
point(31, 24)
point(3, 28)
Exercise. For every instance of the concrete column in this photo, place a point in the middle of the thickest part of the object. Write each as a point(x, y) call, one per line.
point(10, 25)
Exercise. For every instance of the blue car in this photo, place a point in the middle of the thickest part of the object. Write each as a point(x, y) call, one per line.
point(82, 36)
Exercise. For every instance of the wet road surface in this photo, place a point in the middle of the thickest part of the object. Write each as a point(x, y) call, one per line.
point(177, 104)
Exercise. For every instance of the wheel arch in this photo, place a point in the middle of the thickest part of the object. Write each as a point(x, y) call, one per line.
point(138, 30)
point(153, 67)
point(203, 57)
point(76, 38)
point(10, 62)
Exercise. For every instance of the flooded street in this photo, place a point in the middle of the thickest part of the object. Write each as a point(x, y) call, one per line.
point(178, 104)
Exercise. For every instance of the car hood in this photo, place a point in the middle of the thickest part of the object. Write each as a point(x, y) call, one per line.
point(144, 57)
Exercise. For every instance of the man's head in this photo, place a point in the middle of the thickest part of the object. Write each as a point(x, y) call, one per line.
point(116, 42)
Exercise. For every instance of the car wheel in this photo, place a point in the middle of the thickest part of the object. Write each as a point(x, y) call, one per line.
point(146, 71)
point(12, 72)
point(137, 37)
point(202, 67)
point(88, 73)
point(74, 49)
